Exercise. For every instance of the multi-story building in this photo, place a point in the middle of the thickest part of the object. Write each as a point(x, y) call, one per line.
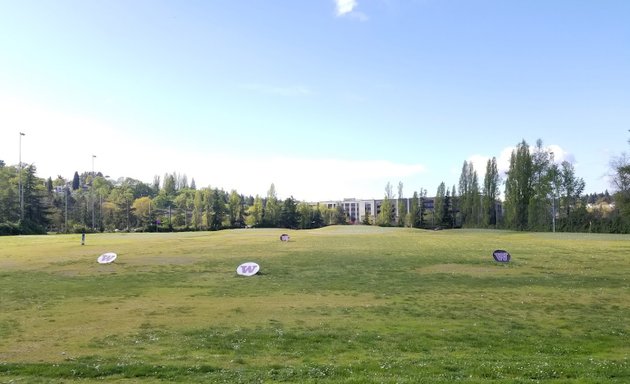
point(356, 210)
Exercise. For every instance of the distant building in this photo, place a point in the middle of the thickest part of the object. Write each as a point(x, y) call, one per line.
point(356, 209)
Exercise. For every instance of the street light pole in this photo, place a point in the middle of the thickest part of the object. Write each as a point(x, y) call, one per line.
point(20, 178)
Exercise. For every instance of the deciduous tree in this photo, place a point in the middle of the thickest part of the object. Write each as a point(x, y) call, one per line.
point(518, 187)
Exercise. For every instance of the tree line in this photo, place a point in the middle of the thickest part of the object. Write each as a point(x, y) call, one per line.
point(91, 202)
point(539, 195)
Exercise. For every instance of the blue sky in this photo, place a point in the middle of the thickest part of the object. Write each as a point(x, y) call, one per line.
point(325, 99)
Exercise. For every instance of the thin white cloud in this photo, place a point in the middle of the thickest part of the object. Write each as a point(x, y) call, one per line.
point(61, 142)
point(347, 8)
point(311, 179)
point(503, 160)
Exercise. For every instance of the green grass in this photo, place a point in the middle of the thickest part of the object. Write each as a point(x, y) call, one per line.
point(341, 304)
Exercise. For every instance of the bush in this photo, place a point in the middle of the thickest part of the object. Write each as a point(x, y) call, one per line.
point(9, 229)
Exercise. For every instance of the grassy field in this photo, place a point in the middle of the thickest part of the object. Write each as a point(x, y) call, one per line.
point(347, 304)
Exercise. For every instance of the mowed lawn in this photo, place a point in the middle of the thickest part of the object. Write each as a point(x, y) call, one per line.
point(348, 304)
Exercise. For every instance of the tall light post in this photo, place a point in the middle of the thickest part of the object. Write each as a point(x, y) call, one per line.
point(20, 178)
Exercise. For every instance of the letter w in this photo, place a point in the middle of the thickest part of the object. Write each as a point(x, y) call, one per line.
point(248, 268)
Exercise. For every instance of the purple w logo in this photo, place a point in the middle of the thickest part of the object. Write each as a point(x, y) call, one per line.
point(247, 269)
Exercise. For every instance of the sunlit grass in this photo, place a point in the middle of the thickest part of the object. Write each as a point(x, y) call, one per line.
point(344, 304)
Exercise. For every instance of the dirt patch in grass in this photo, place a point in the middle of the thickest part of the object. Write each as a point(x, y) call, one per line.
point(470, 270)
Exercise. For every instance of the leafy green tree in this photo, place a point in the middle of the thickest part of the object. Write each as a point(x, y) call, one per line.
point(464, 193)
point(155, 186)
point(328, 214)
point(122, 198)
point(217, 211)
point(421, 207)
point(339, 216)
point(9, 196)
point(101, 187)
point(385, 216)
point(490, 193)
point(469, 196)
point(169, 186)
point(414, 211)
point(236, 210)
point(184, 203)
point(455, 207)
point(197, 212)
point(57, 204)
point(518, 187)
point(439, 205)
point(447, 216)
point(539, 207)
point(620, 179)
point(289, 216)
point(142, 210)
point(318, 219)
point(181, 181)
point(571, 188)
point(305, 214)
point(366, 220)
point(271, 214)
point(255, 212)
point(402, 211)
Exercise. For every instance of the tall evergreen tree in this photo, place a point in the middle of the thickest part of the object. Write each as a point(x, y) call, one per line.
point(217, 210)
point(289, 216)
point(37, 206)
point(76, 181)
point(447, 216)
